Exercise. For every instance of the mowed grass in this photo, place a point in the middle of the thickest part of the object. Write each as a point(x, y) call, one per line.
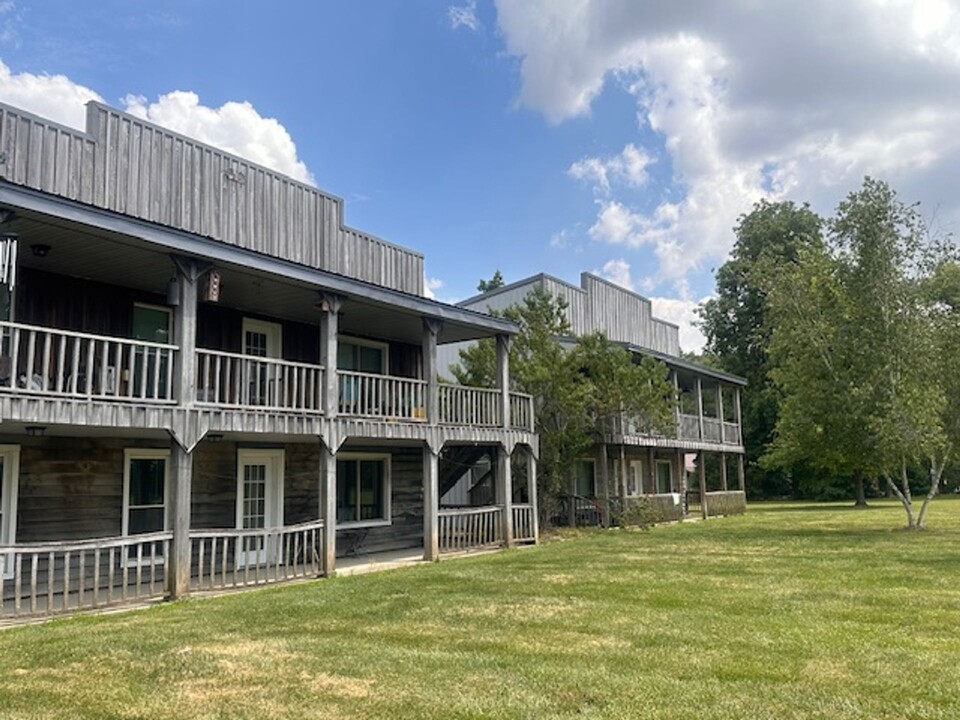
point(792, 611)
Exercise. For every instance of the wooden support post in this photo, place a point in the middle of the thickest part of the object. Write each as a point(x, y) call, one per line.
point(532, 493)
point(505, 493)
point(188, 276)
point(676, 400)
point(700, 409)
point(682, 483)
point(329, 328)
point(720, 411)
point(604, 464)
point(328, 509)
point(651, 472)
point(431, 328)
point(622, 479)
point(181, 466)
point(572, 496)
point(736, 411)
point(503, 377)
point(740, 474)
point(723, 471)
point(431, 504)
point(702, 471)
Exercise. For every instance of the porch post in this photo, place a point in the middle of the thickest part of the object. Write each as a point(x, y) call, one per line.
point(503, 377)
point(700, 408)
point(431, 328)
point(604, 484)
point(740, 473)
point(188, 274)
point(682, 483)
point(330, 305)
point(505, 493)
point(720, 411)
point(431, 504)
point(736, 411)
point(702, 470)
point(532, 493)
point(181, 475)
point(328, 508)
point(676, 401)
point(723, 471)
point(651, 472)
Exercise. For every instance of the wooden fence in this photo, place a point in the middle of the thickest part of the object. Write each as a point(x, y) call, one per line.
point(466, 528)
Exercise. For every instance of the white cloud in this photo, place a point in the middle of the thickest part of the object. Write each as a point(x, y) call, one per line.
point(617, 271)
point(464, 16)
point(629, 167)
point(52, 96)
point(430, 287)
point(799, 103)
point(235, 127)
point(682, 313)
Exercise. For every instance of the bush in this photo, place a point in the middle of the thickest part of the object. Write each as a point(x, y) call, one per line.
point(641, 513)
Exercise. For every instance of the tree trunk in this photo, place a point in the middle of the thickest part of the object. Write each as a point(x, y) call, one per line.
point(904, 500)
point(936, 474)
point(861, 495)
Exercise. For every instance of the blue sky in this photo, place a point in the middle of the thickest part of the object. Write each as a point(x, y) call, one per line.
point(530, 135)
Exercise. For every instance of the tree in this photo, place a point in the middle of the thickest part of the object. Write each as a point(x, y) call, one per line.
point(492, 284)
point(576, 389)
point(860, 350)
point(738, 327)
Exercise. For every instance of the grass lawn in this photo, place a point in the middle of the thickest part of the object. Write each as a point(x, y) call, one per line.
point(792, 611)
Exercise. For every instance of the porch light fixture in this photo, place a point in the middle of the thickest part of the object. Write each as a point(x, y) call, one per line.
point(214, 437)
point(40, 250)
point(35, 430)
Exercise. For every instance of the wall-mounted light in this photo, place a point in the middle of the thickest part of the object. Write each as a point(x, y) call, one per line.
point(35, 430)
point(40, 250)
point(173, 291)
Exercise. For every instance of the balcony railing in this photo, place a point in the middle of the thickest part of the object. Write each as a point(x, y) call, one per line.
point(381, 396)
point(230, 558)
point(471, 527)
point(258, 383)
point(57, 577)
point(45, 361)
point(524, 527)
point(731, 433)
point(689, 427)
point(521, 411)
point(461, 405)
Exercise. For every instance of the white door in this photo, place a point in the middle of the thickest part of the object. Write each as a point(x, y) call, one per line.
point(259, 503)
point(9, 485)
point(635, 478)
point(263, 381)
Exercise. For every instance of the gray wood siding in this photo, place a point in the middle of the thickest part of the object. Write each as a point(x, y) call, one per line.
point(130, 166)
point(597, 305)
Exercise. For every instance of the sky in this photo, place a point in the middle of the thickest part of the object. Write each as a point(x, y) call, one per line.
point(618, 137)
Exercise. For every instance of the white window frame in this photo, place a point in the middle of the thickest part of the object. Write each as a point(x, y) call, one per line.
point(273, 331)
point(657, 463)
point(11, 489)
point(253, 456)
point(145, 454)
point(593, 462)
point(385, 347)
point(158, 308)
point(387, 489)
point(635, 463)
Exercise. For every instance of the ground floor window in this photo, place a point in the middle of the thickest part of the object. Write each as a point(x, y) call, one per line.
point(9, 487)
point(585, 471)
point(664, 476)
point(145, 494)
point(363, 489)
point(635, 478)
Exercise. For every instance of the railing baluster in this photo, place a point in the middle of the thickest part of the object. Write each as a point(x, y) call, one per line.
point(51, 570)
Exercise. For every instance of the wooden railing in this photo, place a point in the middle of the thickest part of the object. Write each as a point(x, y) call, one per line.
point(726, 502)
point(689, 427)
point(461, 405)
point(524, 523)
point(711, 430)
point(50, 578)
point(521, 411)
point(381, 396)
point(258, 383)
point(45, 361)
point(731, 433)
point(466, 528)
point(229, 558)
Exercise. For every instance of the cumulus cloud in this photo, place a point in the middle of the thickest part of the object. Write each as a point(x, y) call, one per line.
point(430, 287)
point(799, 103)
point(51, 96)
point(236, 127)
point(464, 16)
point(629, 168)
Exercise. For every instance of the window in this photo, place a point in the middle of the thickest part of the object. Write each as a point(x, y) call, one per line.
point(584, 471)
point(145, 491)
point(151, 324)
point(363, 489)
point(362, 356)
point(261, 338)
point(9, 486)
point(664, 476)
point(635, 478)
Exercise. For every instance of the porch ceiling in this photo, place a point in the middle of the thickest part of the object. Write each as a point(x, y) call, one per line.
point(118, 259)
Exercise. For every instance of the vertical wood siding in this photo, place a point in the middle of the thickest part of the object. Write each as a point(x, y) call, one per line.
point(129, 166)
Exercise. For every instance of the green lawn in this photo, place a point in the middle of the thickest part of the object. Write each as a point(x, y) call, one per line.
point(792, 611)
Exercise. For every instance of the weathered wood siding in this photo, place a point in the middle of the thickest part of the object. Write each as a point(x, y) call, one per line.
point(130, 166)
point(597, 305)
